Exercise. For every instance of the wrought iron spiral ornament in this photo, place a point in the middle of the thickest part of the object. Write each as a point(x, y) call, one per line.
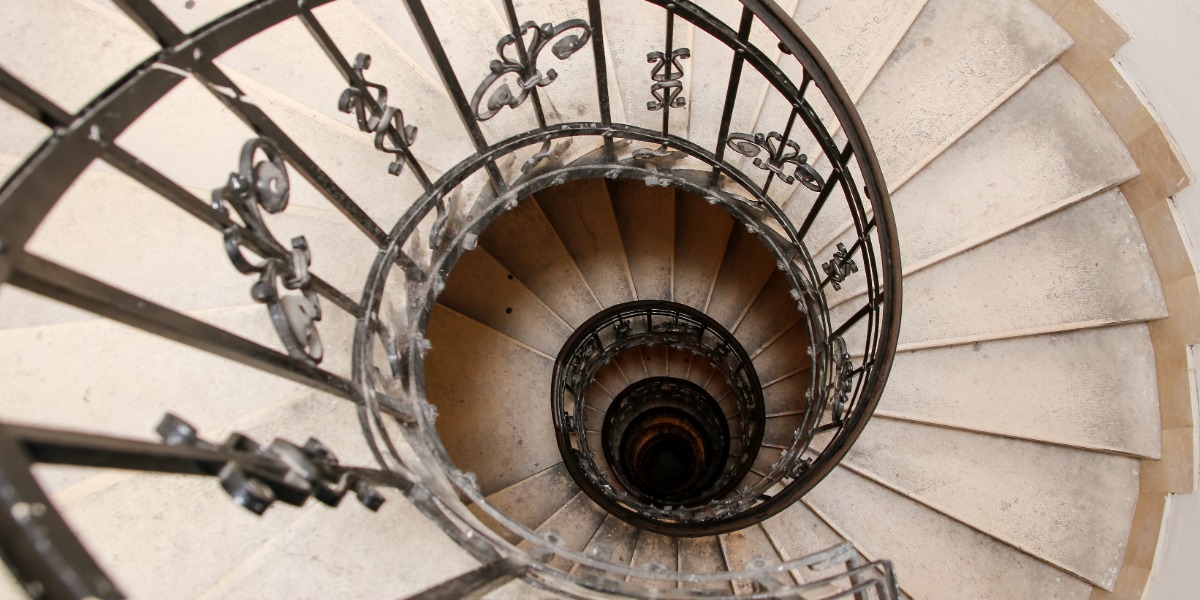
point(840, 386)
point(265, 184)
point(527, 72)
point(667, 87)
point(840, 267)
point(376, 116)
point(780, 154)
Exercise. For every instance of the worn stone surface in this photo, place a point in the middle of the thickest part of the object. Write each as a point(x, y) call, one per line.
point(493, 417)
point(481, 288)
point(1067, 506)
point(1093, 388)
point(940, 557)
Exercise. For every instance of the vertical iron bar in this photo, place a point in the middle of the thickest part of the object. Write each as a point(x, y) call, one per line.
point(787, 132)
point(523, 55)
point(666, 122)
point(831, 182)
point(597, 22)
point(420, 17)
point(735, 80)
point(335, 55)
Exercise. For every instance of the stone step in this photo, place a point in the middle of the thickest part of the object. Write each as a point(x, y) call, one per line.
point(1049, 134)
point(1084, 266)
point(533, 500)
point(646, 219)
point(702, 231)
point(937, 557)
point(582, 215)
point(1069, 507)
point(656, 552)
point(525, 243)
point(702, 555)
point(492, 417)
point(481, 288)
point(798, 532)
point(614, 542)
point(742, 547)
point(954, 65)
point(575, 524)
point(745, 269)
point(771, 314)
point(1092, 388)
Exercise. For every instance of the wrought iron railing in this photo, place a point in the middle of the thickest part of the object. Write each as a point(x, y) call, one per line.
point(633, 325)
point(767, 177)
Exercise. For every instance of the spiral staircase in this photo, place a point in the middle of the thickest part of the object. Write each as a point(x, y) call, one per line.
point(587, 299)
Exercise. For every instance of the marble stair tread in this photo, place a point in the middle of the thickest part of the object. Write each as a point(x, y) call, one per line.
point(481, 288)
point(742, 547)
point(702, 231)
point(1045, 148)
point(532, 500)
point(1067, 506)
point(524, 242)
point(492, 417)
point(1091, 388)
point(1086, 265)
point(954, 65)
point(938, 556)
point(646, 219)
point(581, 212)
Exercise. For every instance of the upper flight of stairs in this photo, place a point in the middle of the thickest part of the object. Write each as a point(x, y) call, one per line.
point(1002, 462)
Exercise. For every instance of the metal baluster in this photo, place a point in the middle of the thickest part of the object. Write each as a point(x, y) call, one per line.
point(164, 186)
point(735, 80)
point(597, 22)
point(335, 55)
point(441, 61)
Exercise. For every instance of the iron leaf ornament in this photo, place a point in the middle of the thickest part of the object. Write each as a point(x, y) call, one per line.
point(779, 156)
point(261, 184)
point(571, 36)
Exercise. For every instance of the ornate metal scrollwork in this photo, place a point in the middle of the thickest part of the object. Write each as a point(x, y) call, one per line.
point(527, 72)
point(840, 267)
point(265, 184)
point(386, 122)
point(779, 155)
point(840, 386)
point(667, 85)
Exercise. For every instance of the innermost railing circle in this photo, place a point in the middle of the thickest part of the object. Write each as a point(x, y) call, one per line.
point(670, 454)
point(668, 442)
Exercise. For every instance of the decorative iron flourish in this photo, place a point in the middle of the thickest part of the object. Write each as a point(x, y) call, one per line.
point(265, 184)
point(256, 476)
point(667, 87)
point(376, 116)
point(525, 65)
point(779, 155)
point(840, 267)
point(840, 387)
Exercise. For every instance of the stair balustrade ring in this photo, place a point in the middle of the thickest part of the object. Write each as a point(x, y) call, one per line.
point(851, 344)
point(651, 323)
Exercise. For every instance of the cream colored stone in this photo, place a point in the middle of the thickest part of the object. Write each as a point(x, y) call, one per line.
point(702, 231)
point(646, 218)
point(481, 288)
point(493, 417)
point(1093, 388)
point(582, 216)
point(1097, 36)
point(939, 557)
point(1072, 509)
point(957, 62)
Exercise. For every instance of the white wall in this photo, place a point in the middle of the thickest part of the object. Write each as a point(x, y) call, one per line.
point(1163, 60)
